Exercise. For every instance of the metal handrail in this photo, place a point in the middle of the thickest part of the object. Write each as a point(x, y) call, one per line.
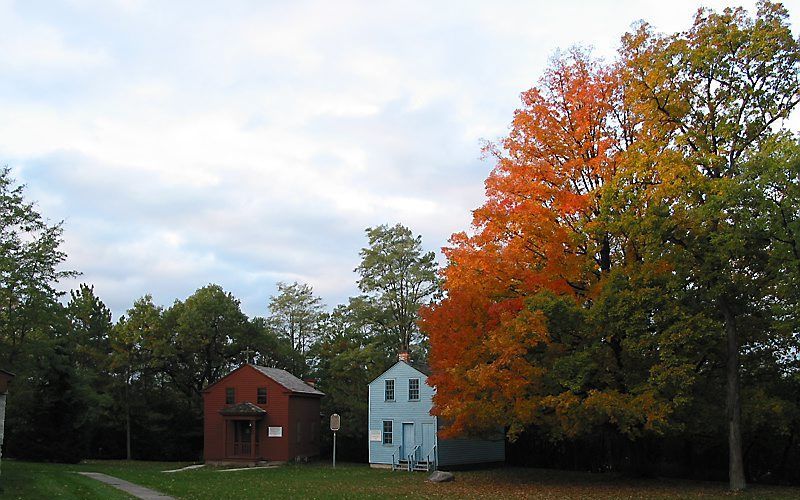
point(412, 457)
point(395, 464)
point(428, 458)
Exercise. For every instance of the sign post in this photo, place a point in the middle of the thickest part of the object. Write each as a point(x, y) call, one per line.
point(335, 424)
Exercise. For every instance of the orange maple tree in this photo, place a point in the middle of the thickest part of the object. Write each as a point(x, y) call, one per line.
point(625, 250)
point(540, 246)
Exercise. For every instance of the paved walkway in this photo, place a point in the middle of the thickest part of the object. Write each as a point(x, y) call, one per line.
point(130, 488)
point(188, 467)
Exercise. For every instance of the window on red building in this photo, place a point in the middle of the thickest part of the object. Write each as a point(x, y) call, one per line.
point(262, 395)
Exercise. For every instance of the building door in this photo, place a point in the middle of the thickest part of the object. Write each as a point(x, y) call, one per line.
point(408, 439)
point(242, 438)
point(428, 440)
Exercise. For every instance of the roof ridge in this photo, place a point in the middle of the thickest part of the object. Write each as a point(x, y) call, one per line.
point(287, 379)
point(415, 368)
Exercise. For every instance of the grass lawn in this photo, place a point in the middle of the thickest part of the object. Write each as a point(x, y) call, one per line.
point(40, 481)
point(29, 480)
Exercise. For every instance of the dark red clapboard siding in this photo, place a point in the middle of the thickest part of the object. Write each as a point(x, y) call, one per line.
point(284, 409)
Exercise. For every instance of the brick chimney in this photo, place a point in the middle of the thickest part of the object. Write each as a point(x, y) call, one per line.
point(404, 356)
point(311, 381)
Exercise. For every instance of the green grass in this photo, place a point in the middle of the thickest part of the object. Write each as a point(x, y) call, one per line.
point(28, 480)
point(354, 481)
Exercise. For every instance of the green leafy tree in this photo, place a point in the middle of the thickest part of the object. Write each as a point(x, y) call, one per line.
point(711, 97)
point(296, 314)
point(90, 321)
point(52, 414)
point(134, 340)
point(199, 342)
point(264, 346)
point(770, 209)
point(30, 260)
point(348, 356)
point(397, 278)
point(63, 405)
point(90, 327)
point(50, 410)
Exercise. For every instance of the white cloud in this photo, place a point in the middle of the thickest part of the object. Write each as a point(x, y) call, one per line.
point(40, 51)
point(251, 142)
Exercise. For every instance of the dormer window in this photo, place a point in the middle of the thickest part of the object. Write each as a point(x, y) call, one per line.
point(413, 389)
point(388, 390)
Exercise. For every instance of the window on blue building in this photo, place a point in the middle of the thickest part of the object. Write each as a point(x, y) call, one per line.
point(387, 432)
point(413, 389)
point(388, 390)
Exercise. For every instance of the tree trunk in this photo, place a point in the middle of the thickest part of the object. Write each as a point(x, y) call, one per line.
point(733, 404)
point(605, 254)
point(784, 455)
point(2, 425)
point(128, 435)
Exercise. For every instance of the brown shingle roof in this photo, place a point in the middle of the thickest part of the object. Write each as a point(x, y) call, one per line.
point(288, 380)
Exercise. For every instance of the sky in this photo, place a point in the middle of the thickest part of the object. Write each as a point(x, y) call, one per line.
point(244, 143)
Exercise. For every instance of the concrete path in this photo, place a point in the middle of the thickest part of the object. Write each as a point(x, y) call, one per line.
point(255, 467)
point(130, 488)
point(188, 467)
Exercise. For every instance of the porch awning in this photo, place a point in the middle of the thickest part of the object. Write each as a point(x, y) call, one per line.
point(243, 410)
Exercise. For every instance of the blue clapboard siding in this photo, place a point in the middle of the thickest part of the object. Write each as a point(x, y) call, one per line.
point(399, 411)
point(417, 413)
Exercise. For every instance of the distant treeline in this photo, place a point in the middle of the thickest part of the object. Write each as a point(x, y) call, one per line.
point(91, 387)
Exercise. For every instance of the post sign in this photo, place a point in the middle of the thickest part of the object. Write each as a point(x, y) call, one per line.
point(336, 422)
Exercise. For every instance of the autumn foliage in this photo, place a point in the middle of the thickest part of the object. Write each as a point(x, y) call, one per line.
point(615, 251)
point(512, 336)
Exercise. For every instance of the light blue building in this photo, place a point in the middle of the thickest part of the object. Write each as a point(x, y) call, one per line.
point(403, 433)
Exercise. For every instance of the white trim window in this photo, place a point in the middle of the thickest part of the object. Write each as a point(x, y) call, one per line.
point(387, 432)
point(388, 390)
point(413, 389)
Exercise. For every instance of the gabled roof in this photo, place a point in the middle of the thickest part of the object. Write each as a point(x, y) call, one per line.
point(415, 368)
point(288, 380)
point(281, 377)
point(243, 409)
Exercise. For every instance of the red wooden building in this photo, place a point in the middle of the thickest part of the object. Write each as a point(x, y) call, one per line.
point(257, 413)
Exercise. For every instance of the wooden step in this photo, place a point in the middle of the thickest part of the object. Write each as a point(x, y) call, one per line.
point(417, 466)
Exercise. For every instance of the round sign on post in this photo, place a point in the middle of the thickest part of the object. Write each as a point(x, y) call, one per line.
point(335, 424)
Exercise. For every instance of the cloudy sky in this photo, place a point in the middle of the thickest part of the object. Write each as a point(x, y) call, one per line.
point(249, 142)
